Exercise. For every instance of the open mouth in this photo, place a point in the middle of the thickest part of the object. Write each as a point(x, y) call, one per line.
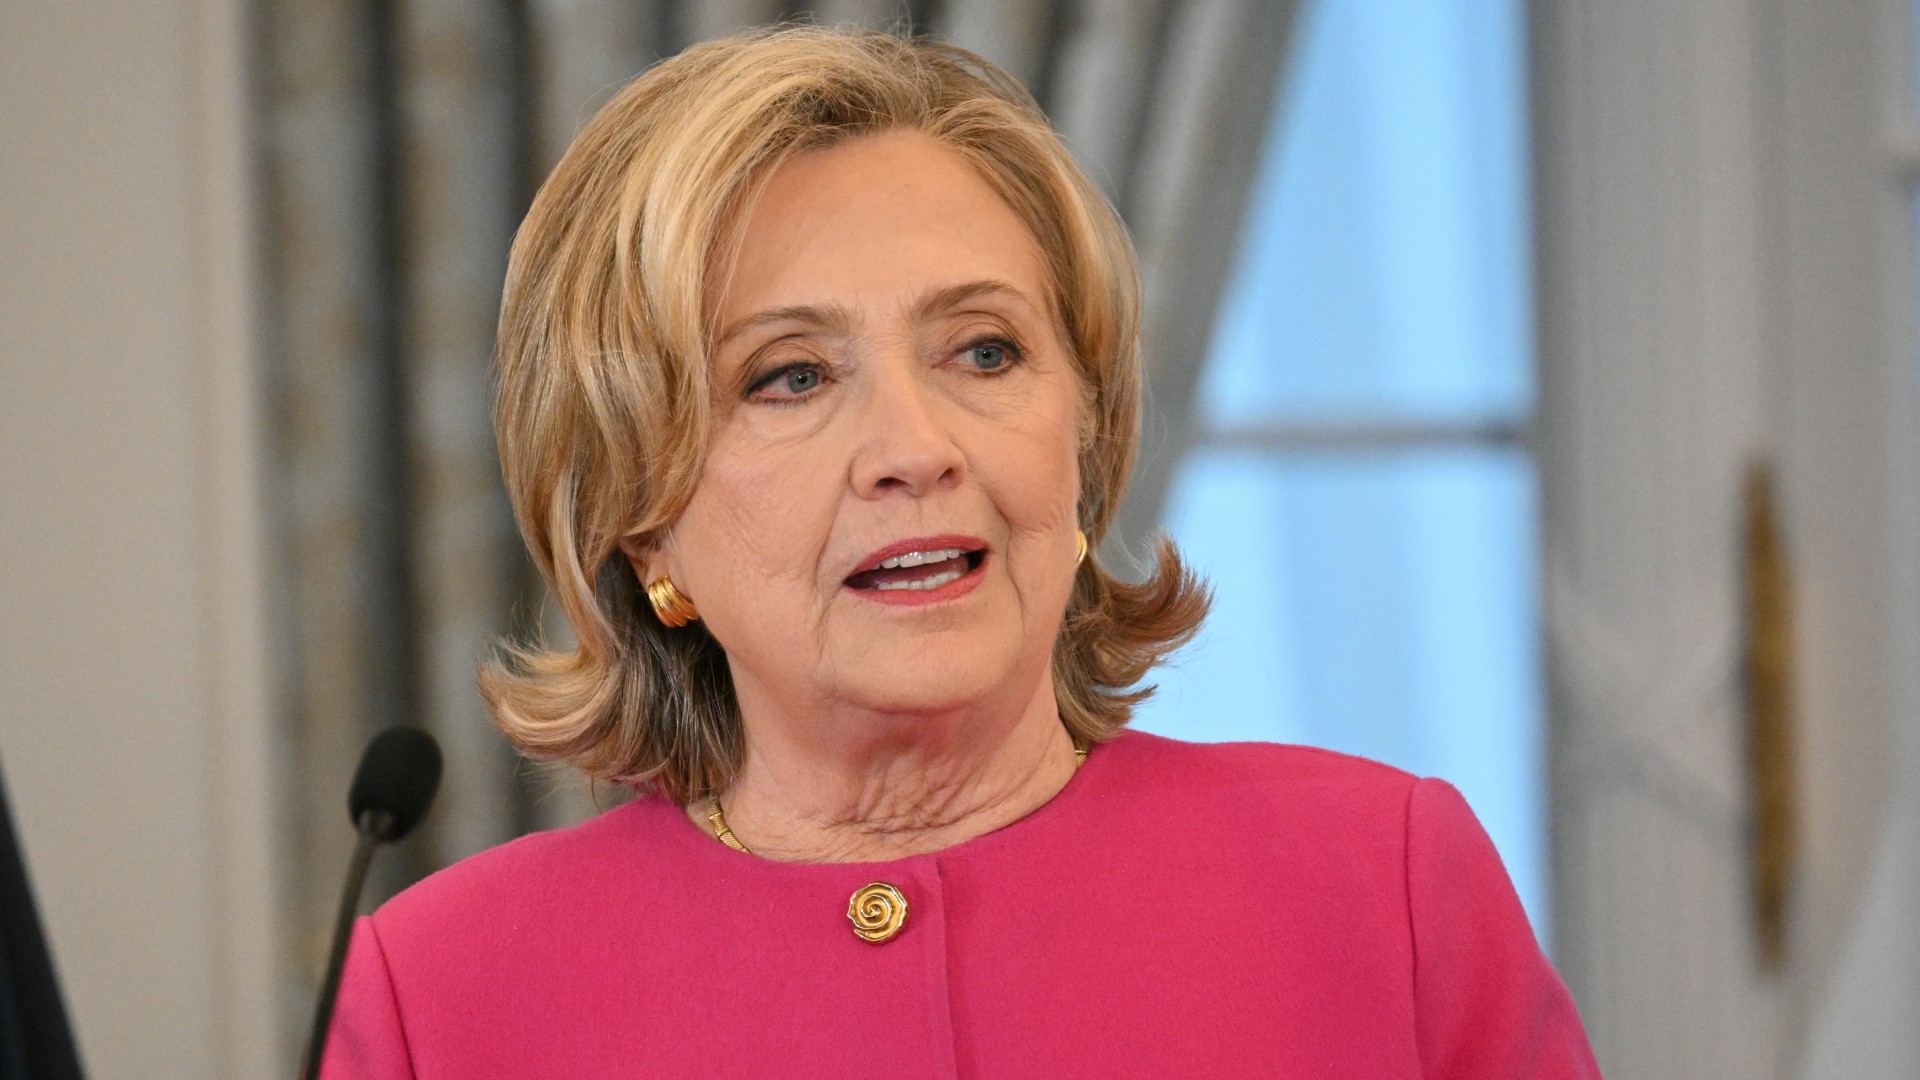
point(919, 570)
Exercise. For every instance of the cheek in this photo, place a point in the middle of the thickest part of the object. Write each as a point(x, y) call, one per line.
point(752, 534)
point(1030, 471)
point(1036, 464)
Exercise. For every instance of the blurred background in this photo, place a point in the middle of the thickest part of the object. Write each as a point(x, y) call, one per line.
point(1536, 382)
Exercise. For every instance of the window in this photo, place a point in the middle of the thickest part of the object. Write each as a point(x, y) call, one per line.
point(1356, 483)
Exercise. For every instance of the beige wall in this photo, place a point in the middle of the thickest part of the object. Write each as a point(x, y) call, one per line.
point(132, 705)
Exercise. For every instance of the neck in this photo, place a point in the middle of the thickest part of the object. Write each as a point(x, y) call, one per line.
point(907, 785)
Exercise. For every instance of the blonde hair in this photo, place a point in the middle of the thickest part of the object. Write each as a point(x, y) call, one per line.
point(601, 407)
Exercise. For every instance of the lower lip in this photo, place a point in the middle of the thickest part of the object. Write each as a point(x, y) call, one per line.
point(952, 590)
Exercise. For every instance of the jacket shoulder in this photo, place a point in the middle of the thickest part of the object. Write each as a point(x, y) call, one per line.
point(1270, 797)
point(537, 875)
point(1306, 772)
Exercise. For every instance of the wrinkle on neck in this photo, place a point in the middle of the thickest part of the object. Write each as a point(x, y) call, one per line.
point(909, 786)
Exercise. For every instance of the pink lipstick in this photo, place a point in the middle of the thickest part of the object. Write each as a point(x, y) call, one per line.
point(921, 570)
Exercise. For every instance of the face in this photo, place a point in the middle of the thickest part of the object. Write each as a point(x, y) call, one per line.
point(887, 513)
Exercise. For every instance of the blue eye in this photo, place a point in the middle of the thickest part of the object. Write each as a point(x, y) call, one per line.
point(989, 355)
point(788, 384)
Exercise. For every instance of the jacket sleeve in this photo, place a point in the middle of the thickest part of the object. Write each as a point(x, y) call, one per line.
point(366, 1041)
point(1486, 1001)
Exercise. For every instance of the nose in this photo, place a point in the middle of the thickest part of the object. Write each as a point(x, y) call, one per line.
point(908, 444)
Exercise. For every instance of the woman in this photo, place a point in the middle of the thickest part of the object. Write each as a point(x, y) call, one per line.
point(819, 379)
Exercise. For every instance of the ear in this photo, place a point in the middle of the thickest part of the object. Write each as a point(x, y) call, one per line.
point(648, 555)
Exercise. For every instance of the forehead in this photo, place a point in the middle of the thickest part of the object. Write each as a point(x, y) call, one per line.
point(874, 221)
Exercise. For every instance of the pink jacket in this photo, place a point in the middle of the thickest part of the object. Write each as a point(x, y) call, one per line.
point(1178, 910)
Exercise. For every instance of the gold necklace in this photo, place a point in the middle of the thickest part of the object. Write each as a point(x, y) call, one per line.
point(718, 818)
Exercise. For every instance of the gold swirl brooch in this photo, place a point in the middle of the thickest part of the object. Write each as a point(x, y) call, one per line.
point(877, 912)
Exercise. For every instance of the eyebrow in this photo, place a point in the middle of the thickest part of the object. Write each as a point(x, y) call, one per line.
point(837, 318)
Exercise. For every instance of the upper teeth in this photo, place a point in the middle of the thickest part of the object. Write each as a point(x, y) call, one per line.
point(917, 558)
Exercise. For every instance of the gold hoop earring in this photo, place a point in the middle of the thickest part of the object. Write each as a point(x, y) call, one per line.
point(670, 604)
point(1080, 542)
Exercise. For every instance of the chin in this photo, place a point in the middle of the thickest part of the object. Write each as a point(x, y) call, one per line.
point(925, 697)
point(926, 684)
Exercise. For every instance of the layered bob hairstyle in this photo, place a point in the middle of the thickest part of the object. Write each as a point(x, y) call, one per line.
point(602, 400)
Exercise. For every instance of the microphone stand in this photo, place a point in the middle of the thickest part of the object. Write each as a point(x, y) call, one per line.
point(375, 828)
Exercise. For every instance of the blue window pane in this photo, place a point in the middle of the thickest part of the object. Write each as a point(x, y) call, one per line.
point(1384, 270)
point(1381, 605)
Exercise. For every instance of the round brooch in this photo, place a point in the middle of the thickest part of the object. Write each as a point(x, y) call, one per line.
point(877, 912)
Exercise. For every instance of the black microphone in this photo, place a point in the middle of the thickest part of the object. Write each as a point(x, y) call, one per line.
point(392, 789)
